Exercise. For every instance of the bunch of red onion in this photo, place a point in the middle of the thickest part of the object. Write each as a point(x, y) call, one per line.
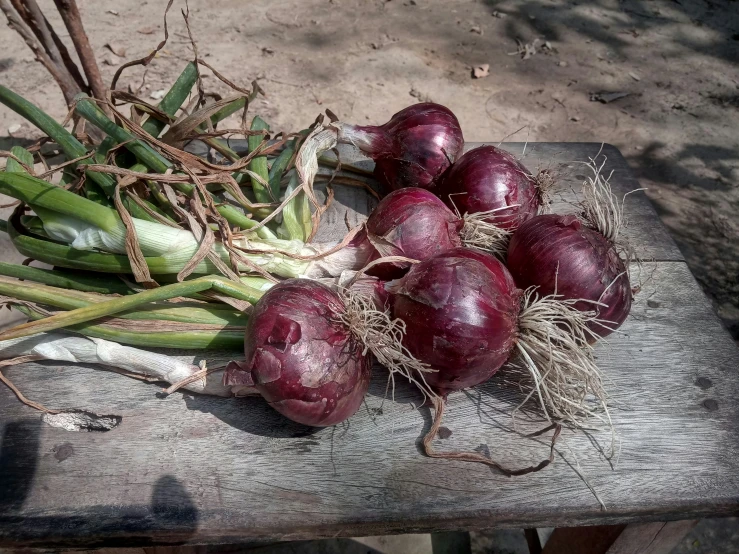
point(577, 258)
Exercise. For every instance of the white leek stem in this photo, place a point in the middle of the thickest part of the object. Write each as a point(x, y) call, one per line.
point(85, 350)
point(179, 246)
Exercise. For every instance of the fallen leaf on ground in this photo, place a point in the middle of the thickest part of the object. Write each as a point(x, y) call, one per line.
point(634, 76)
point(114, 12)
point(116, 49)
point(476, 29)
point(607, 97)
point(480, 71)
point(525, 50)
point(147, 30)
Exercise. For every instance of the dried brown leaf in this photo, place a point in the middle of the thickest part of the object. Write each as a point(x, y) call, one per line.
point(116, 48)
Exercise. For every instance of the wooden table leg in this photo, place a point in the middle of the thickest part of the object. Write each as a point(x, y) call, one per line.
point(532, 540)
point(637, 538)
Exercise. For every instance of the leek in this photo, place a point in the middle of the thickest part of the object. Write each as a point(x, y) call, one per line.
point(114, 306)
point(71, 300)
point(198, 339)
point(296, 217)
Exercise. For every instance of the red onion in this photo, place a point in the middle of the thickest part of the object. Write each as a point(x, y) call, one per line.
point(414, 223)
point(464, 317)
point(488, 179)
point(301, 357)
point(461, 317)
point(558, 253)
point(413, 149)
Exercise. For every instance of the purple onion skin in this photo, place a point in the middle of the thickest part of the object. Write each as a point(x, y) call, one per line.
point(414, 223)
point(559, 250)
point(488, 178)
point(461, 310)
point(304, 362)
point(414, 148)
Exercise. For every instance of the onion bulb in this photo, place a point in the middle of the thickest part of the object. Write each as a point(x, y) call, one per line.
point(491, 181)
point(577, 258)
point(465, 317)
point(414, 223)
point(413, 149)
point(301, 356)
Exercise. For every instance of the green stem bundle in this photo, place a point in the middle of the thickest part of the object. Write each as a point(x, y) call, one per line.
point(214, 283)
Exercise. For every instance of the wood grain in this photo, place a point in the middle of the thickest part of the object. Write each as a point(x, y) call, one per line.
point(195, 469)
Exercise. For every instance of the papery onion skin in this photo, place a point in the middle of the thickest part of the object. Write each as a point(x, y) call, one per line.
point(413, 223)
point(489, 178)
point(413, 149)
point(461, 311)
point(301, 358)
point(559, 251)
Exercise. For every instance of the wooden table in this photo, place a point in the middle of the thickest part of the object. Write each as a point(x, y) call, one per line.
point(195, 469)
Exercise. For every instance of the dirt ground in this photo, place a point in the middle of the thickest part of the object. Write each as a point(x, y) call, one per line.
point(365, 59)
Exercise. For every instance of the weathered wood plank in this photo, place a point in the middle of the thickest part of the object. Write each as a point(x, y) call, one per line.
point(198, 469)
point(651, 538)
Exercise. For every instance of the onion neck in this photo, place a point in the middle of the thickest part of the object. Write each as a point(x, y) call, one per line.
point(372, 140)
point(352, 257)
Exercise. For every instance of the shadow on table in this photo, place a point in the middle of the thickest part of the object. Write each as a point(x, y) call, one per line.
point(251, 414)
point(171, 515)
point(19, 453)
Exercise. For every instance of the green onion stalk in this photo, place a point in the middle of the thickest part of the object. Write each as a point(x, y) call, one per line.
point(142, 319)
point(123, 304)
point(182, 312)
point(191, 336)
point(154, 161)
point(85, 226)
point(146, 155)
